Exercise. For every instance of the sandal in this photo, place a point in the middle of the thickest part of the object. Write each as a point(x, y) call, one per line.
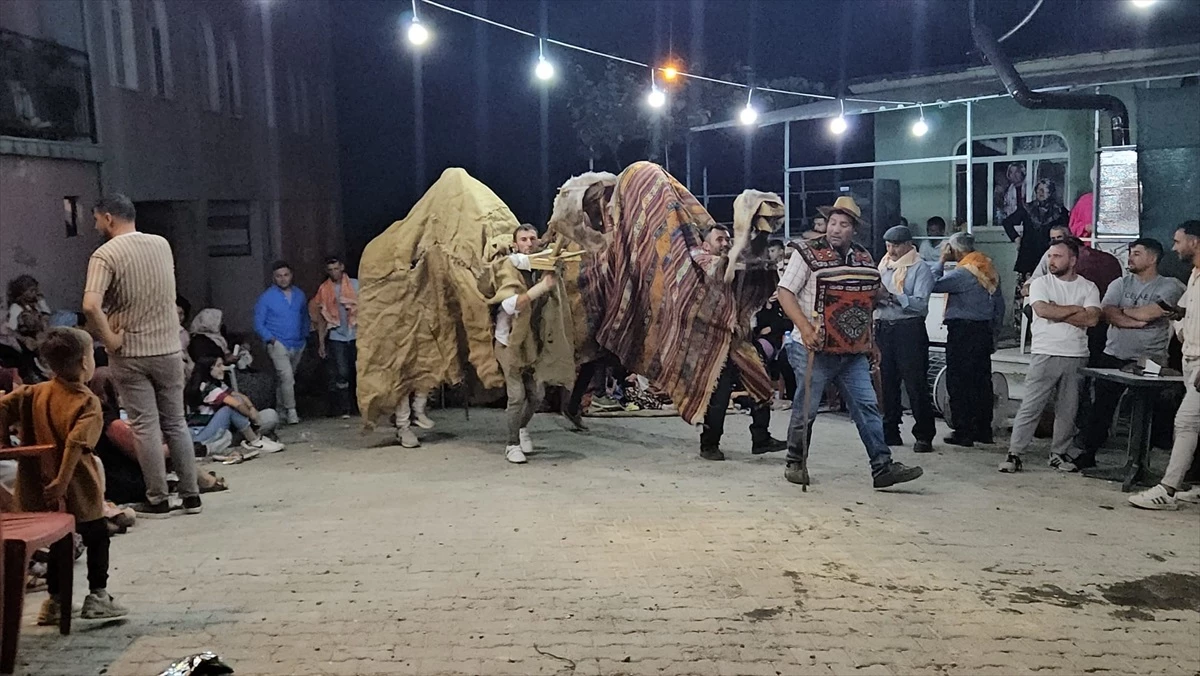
point(216, 486)
point(236, 457)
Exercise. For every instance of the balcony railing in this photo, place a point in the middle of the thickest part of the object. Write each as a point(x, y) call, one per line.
point(45, 90)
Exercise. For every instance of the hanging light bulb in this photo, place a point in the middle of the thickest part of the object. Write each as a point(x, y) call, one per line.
point(920, 128)
point(670, 72)
point(1142, 4)
point(749, 115)
point(657, 98)
point(838, 124)
point(544, 70)
point(418, 34)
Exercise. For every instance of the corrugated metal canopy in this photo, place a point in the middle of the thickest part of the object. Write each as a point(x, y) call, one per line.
point(1090, 69)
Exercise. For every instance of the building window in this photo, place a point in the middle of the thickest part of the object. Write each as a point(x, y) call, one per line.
point(228, 228)
point(71, 215)
point(1004, 171)
point(119, 40)
point(233, 75)
point(162, 78)
point(211, 74)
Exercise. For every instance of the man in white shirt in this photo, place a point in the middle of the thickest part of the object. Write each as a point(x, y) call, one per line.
point(524, 390)
point(1064, 306)
point(1171, 490)
point(931, 249)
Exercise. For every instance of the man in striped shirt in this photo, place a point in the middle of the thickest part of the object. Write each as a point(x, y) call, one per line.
point(129, 300)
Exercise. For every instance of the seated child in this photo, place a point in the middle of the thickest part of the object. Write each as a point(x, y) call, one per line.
point(64, 412)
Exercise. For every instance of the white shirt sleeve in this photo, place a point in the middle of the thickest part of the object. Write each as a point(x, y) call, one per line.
point(795, 276)
point(520, 261)
point(1037, 291)
point(509, 305)
point(1092, 298)
point(14, 316)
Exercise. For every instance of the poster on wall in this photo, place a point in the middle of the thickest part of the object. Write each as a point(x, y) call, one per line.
point(1119, 196)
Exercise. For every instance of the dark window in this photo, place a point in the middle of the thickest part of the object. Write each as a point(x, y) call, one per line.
point(71, 215)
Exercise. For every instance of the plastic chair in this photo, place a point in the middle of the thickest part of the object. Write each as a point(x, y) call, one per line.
point(23, 534)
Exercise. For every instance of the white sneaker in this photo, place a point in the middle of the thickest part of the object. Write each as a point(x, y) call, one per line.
point(1154, 498)
point(526, 442)
point(1012, 464)
point(514, 455)
point(407, 437)
point(264, 445)
point(1191, 495)
point(293, 418)
point(1062, 463)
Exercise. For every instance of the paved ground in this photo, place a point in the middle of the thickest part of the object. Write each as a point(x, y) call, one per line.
point(620, 552)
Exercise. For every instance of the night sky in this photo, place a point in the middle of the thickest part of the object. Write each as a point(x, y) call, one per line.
point(483, 111)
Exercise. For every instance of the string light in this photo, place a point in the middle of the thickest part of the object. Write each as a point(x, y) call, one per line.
point(838, 124)
point(1142, 4)
point(920, 127)
point(656, 98)
point(670, 72)
point(418, 34)
point(544, 70)
point(749, 115)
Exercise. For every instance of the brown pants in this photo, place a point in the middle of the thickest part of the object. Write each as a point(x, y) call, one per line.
point(524, 394)
point(151, 390)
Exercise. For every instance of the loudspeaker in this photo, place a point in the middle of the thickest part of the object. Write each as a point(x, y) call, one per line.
point(879, 200)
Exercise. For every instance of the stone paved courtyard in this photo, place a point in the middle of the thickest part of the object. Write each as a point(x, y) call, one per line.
point(620, 552)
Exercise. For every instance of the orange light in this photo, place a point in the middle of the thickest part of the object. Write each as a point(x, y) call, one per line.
point(670, 73)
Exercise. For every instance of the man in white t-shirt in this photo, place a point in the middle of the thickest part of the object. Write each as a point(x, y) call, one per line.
point(1064, 306)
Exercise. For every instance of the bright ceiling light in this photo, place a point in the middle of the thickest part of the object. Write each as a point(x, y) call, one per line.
point(418, 34)
point(656, 98)
point(920, 128)
point(670, 73)
point(838, 125)
point(748, 115)
point(1142, 4)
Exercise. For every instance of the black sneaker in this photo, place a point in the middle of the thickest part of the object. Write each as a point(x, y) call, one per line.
point(769, 446)
point(897, 473)
point(985, 438)
point(152, 510)
point(711, 453)
point(1084, 460)
point(957, 439)
point(923, 446)
point(576, 420)
point(892, 438)
point(191, 505)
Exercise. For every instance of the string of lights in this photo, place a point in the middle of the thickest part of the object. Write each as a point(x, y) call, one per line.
point(419, 35)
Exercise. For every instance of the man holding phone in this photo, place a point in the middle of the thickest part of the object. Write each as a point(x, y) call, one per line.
point(1139, 326)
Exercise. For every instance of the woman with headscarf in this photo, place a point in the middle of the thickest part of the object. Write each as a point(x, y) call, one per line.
point(1033, 239)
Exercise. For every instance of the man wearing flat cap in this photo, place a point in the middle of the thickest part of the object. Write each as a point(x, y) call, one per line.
point(902, 338)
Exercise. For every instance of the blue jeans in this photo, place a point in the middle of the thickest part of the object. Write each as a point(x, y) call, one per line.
point(340, 358)
point(225, 418)
point(852, 375)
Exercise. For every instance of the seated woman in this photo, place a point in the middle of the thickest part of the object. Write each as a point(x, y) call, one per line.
point(209, 391)
point(28, 319)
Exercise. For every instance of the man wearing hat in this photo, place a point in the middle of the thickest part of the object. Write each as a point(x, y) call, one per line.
point(902, 339)
point(829, 291)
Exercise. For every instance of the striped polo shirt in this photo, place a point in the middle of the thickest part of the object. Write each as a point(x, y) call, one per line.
point(135, 273)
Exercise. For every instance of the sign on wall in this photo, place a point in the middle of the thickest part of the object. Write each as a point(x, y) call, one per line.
point(1119, 196)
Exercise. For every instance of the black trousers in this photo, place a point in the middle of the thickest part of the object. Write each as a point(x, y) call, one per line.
point(340, 359)
point(718, 406)
point(96, 539)
point(585, 376)
point(969, 376)
point(904, 359)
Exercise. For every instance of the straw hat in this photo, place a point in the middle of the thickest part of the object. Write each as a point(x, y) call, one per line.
point(845, 205)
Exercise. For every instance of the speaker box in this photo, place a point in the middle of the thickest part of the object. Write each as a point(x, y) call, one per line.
point(879, 200)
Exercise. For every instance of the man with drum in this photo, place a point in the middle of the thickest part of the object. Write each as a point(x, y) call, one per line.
point(902, 339)
point(974, 312)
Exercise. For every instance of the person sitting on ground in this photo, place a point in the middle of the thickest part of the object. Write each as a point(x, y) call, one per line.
point(215, 410)
point(65, 414)
point(28, 320)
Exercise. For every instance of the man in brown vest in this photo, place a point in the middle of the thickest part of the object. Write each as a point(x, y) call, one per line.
point(829, 291)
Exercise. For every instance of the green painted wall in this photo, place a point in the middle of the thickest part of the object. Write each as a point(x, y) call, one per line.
point(928, 189)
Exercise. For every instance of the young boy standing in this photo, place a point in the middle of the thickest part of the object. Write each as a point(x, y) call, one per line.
point(65, 413)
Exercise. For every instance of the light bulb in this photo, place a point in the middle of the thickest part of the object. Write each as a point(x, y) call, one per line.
point(1142, 4)
point(838, 125)
point(656, 98)
point(748, 115)
point(417, 33)
point(544, 70)
point(670, 72)
point(920, 128)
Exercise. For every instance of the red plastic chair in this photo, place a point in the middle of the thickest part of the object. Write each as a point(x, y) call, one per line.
point(23, 534)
